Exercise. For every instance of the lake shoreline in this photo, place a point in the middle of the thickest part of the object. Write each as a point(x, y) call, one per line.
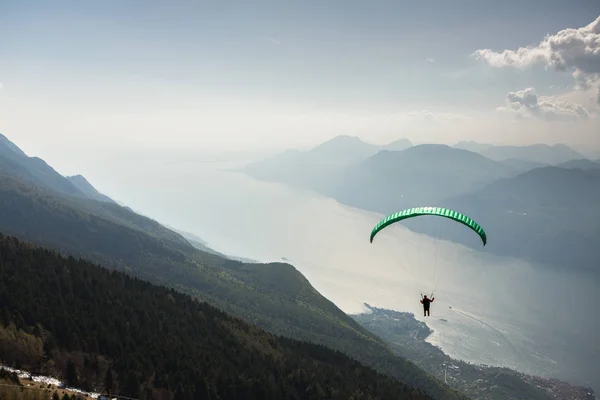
point(408, 338)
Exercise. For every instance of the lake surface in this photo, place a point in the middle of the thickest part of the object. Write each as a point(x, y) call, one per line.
point(498, 311)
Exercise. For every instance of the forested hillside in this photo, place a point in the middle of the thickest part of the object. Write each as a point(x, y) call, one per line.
point(104, 329)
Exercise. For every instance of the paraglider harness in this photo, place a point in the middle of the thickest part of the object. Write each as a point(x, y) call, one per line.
point(428, 302)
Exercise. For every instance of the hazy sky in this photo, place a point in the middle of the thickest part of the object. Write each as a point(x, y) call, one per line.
point(89, 75)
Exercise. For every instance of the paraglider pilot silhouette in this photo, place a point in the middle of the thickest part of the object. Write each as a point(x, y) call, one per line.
point(426, 301)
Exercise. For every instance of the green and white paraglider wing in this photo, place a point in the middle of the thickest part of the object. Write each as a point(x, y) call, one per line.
point(434, 211)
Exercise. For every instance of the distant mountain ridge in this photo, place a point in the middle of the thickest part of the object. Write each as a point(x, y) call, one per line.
point(454, 177)
point(561, 205)
point(475, 147)
point(321, 167)
point(318, 167)
point(519, 165)
point(548, 215)
point(423, 174)
point(539, 153)
point(581, 164)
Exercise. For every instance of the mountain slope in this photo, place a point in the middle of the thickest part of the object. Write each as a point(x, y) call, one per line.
point(473, 146)
point(6, 145)
point(341, 149)
point(273, 296)
point(397, 145)
point(548, 215)
point(541, 153)
point(538, 153)
point(152, 340)
point(315, 168)
point(420, 175)
point(15, 162)
point(519, 165)
point(581, 164)
point(84, 186)
point(318, 167)
point(200, 244)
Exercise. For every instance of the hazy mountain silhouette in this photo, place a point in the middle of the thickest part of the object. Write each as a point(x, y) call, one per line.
point(82, 184)
point(496, 192)
point(547, 215)
point(326, 167)
point(538, 153)
point(15, 162)
point(581, 164)
point(319, 167)
point(473, 146)
point(519, 165)
point(398, 145)
point(541, 153)
point(420, 175)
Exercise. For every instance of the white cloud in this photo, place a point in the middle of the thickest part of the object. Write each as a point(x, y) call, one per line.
point(430, 60)
point(527, 104)
point(576, 49)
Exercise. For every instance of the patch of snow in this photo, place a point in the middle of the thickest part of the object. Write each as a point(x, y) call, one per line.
point(48, 380)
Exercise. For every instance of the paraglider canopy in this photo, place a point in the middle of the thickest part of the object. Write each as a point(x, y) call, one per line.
point(434, 211)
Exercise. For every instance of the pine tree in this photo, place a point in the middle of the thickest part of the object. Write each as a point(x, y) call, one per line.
point(108, 382)
point(71, 375)
point(179, 395)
